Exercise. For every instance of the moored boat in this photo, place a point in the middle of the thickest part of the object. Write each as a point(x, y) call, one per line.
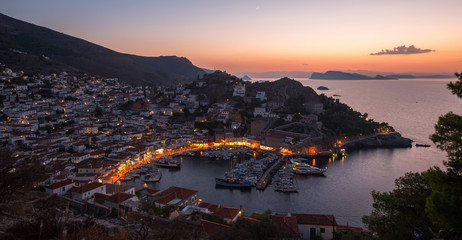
point(154, 177)
point(232, 183)
point(422, 145)
point(305, 169)
point(168, 163)
point(283, 188)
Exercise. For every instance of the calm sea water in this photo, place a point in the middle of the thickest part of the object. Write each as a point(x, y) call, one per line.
point(411, 106)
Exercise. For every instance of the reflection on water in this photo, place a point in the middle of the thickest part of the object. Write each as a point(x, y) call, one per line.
point(345, 189)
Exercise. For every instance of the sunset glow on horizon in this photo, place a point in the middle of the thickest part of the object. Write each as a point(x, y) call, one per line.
point(260, 36)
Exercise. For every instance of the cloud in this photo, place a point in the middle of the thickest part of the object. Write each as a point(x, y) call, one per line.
point(403, 50)
point(305, 64)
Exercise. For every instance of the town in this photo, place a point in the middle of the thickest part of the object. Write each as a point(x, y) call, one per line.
point(91, 135)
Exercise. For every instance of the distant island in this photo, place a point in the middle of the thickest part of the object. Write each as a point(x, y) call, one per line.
point(246, 78)
point(409, 76)
point(337, 75)
point(322, 88)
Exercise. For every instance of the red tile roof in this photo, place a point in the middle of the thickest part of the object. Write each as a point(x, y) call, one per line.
point(150, 191)
point(250, 219)
point(119, 197)
point(61, 184)
point(287, 225)
point(175, 192)
point(87, 187)
point(211, 228)
point(115, 188)
point(315, 219)
point(221, 211)
point(100, 198)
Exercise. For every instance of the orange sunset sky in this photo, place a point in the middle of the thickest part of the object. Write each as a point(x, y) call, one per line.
point(259, 36)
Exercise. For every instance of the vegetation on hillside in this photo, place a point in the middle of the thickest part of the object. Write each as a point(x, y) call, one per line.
point(341, 120)
point(424, 205)
point(35, 49)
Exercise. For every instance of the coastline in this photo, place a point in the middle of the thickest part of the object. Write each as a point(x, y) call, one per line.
point(391, 140)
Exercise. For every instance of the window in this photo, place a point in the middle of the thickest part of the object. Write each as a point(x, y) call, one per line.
point(64, 188)
point(323, 230)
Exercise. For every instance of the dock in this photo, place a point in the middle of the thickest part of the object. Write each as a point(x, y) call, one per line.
point(269, 174)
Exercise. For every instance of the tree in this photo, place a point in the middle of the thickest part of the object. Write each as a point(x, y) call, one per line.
point(17, 177)
point(432, 199)
point(297, 117)
point(98, 111)
point(444, 205)
point(448, 135)
point(397, 214)
point(295, 103)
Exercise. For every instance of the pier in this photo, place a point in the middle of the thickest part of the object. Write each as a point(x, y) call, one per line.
point(269, 174)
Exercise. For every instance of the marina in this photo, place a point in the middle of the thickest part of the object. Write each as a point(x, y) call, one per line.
point(153, 176)
point(268, 175)
point(284, 181)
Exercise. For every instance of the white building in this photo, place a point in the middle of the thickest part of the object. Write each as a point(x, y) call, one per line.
point(260, 111)
point(60, 188)
point(87, 191)
point(311, 225)
point(239, 91)
point(261, 95)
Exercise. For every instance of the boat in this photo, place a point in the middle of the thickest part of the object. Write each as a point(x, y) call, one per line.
point(154, 177)
point(305, 169)
point(285, 188)
point(126, 178)
point(422, 145)
point(233, 183)
point(168, 163)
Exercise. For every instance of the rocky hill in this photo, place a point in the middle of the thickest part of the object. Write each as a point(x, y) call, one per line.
point(37, 49)
point(282, 89)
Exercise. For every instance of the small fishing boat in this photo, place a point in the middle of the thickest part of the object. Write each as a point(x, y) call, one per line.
point(422, 145)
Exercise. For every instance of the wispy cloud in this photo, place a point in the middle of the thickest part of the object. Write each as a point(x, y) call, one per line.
point(403, 50)
point(305, 64)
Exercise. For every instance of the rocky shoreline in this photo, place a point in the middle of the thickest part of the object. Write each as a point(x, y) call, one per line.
point(391, 140)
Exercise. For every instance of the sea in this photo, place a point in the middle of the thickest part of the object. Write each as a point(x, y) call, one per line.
point(412, 107)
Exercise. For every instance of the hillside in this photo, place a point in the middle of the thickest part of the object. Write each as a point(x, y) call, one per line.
point(282, 90)
point(33, 48)
point(220, 85)
point(337, 75)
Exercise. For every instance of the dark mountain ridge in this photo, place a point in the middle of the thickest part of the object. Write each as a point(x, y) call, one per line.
point(45, 49)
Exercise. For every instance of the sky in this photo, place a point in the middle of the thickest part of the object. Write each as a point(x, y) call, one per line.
point(259, 36)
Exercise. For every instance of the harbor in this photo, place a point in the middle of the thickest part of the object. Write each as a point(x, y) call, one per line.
point(269, 174)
